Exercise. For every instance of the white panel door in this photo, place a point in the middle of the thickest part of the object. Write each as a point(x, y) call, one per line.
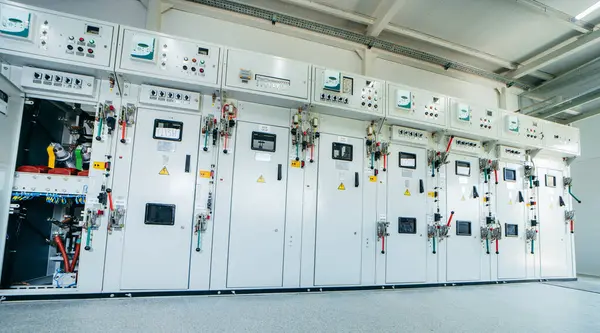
point(11, 113)
point(257, 225)
point(406, 253)
point(160, 210)
point(339, 211)
point(553, 229)
point(464, 244)
point(511, 215)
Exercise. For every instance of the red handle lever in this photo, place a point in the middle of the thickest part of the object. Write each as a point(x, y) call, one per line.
point(450, 218)
point(496, 175)
point(449, 143)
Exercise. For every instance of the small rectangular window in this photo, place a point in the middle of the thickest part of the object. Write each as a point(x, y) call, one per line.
point(407, 225)
point(92, 30)
point(463, 168)
point(511, 230)
point(408, 160)
point(510, 175)
point(463, 228)
point(167, 130)
point(550, 181)
point(202, 51)
point(341, 151)
point(159, 214)
point(264, 141)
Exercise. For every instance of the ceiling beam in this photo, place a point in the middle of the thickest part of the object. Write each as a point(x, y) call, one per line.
point(579, 44)
point(580, 117)
point(357, 18)
point(153, 15)
point(384, 13)
point(569, 103)
point(557, 15)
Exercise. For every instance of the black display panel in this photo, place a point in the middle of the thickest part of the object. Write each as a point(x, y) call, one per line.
point(407, 160)
point(463, 168)
point(92, 30)
point(511, 230)
point(159, 214)
point(407, 225)
point(463, 228)
point(167, 130)
point(510, 175)
point(202, 51)
point(264, 141)
point(341, 151)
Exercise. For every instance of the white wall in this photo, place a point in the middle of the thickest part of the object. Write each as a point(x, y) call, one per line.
point(586, 185)
point(130, 12)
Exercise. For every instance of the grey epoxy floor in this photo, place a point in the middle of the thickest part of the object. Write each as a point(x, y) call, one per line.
point(529, 307)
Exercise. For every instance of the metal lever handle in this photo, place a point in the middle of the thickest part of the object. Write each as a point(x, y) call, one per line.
point(187, 163)
point(421, 186)
point(279, 176)
point(356, 183)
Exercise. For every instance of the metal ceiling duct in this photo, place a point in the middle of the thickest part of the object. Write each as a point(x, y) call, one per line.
point(359, 39)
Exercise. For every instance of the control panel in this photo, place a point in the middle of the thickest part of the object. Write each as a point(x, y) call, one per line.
point(465, 145)
point(63, 82)
point(410, 135)
point(418, 105)
point(268, 74)
point(507, 153)
point(24, 31)
point(473, 119)
point(561, 138)
point(169, 57)
point(174, 98)
point(348, 91)
point(521, 129)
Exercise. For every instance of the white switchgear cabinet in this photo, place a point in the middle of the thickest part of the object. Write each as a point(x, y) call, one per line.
point(40, 37)
point(521, 130)
point(348, 95)
point(417, 107)
point(150, 57)
point(561, 139)
point(262, 78)
point(473, 121)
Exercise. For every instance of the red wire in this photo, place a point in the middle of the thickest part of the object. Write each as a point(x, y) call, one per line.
point(61, 248)
point(76, 256)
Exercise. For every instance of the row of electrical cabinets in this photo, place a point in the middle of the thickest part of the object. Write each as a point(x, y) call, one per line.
point(137, 55)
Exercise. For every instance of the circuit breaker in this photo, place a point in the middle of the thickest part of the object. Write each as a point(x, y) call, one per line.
point(339, 224)
point(417, 106)
point(473, 120)
point(273, 80)
point(463, 200)
point(48, 35)
point(167, 58)
point(261, 159)
point(511, 208)
point(554, 236)
point(348, 95)
point(161, 202)
point(406, 245)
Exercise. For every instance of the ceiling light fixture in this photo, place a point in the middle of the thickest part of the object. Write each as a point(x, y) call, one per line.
point(588, 11)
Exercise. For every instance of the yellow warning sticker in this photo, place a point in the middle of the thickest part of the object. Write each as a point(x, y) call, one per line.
point(463, 198)
point(204, 174)
point(373, 179)
point(407, 193)
point(342, 187)
point(164, 171)
point(431, 194)
point(295, 164)
point(99, 165)
point(510, 202)
point(260, 179)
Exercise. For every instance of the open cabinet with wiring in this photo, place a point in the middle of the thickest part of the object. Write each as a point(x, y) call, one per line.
point(44, 232)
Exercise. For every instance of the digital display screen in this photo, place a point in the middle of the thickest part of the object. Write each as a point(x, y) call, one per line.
point(408, 160)
point(463, 168)
point(264, 141)
point(510, 175)
point(511, 230)
point(341, 151)
point(202, 51)
point(407, 225)
point(159, 214)
point(92, 30)
point(550, 181)
point(167, 130)
point(463, 228)
point(489, 113)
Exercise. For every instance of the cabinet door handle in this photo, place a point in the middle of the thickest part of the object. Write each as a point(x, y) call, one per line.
point(187, 163)
point(356, 182)
point(421, 186)
point(279, 176)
